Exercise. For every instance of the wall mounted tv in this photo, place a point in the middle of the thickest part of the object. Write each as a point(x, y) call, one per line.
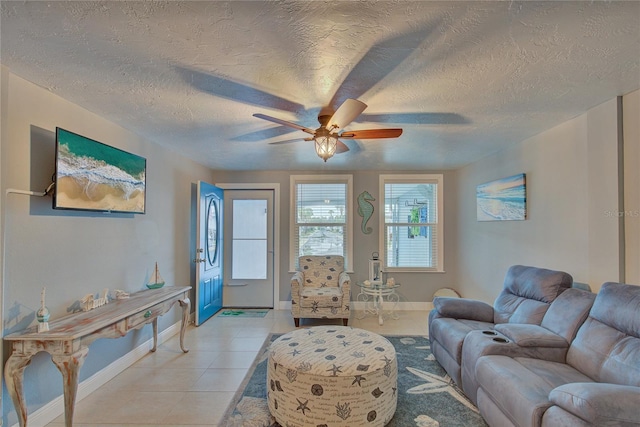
point(93, 176)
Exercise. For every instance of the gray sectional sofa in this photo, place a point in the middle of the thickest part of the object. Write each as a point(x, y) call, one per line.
point(579, 366)
point(527, 294)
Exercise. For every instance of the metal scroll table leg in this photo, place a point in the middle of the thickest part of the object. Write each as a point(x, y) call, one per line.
point(185, 304)
point(69, 366)
point(13, 376)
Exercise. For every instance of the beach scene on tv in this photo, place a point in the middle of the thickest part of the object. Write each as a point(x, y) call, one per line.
point(95, 176)
point(502, 200)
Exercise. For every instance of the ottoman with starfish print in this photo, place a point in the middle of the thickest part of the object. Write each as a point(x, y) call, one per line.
point(332, 376)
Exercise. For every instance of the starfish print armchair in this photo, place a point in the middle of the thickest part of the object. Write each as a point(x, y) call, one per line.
point(320, 289)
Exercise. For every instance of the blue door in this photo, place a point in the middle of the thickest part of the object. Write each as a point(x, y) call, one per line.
point(209, 252)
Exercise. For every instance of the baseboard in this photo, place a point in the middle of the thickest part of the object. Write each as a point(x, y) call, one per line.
point(52, 410)
point(356, 305)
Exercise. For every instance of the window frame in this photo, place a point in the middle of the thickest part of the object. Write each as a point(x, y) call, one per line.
point(437, 179)
point(294, 180)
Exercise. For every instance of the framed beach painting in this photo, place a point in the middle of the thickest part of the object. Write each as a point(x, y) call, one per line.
point(503, 199)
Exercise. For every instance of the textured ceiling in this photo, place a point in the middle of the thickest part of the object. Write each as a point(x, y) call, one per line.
point(463, 79)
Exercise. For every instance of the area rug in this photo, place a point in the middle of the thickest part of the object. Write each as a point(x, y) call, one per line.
point(427, 396)
point(245, 312)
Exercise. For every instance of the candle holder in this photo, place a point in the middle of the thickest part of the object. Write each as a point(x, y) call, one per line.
point(42, 315)
point(43, 319)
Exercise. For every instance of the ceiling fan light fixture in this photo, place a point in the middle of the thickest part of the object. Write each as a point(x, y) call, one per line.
point(325, 146)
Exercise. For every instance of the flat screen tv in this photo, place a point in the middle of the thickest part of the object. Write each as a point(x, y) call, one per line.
point(92, 176)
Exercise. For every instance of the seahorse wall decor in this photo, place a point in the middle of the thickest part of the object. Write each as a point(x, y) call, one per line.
point(365, 210)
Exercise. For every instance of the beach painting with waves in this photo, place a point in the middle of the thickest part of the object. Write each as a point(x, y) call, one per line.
point(94, 176)
point(503, 199)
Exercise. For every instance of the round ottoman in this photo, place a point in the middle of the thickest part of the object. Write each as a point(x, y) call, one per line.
point(333, 376)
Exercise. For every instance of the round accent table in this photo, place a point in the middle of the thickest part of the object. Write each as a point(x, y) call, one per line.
point(332, 375)
point(373, 296)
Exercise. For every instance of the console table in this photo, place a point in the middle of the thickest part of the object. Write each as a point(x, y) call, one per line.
point(68, 339)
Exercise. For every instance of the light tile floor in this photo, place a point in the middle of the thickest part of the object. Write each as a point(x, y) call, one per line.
point(171, 388)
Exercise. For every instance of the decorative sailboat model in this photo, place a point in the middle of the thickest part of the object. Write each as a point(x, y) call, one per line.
point(155, 281)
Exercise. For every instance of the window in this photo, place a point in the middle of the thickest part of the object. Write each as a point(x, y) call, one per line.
point(320, 216)
point(411, 224)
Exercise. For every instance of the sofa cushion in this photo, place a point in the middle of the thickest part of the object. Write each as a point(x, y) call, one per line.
point(527, 293)
point(321, 271)
point(607, 345)
point(520, 387)
point(597, 403)
point(617, 306)
point(568, 312)
point(320, 297)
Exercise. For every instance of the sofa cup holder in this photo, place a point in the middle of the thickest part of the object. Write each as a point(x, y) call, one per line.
point(489, 332)
point(501, 340)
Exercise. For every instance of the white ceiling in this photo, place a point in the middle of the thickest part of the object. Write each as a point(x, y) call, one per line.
point(463, 79)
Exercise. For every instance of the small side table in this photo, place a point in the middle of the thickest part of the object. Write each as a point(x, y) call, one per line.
point(374, 297)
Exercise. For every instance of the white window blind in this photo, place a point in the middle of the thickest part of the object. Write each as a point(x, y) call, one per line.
point(411, 227)
point(320, 216)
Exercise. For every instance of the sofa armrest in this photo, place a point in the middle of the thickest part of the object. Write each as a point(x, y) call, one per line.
point(298, 276)
point(463, 308)
point(343, 278)
point(599, 403)
point(526, 335)
point(297, 281)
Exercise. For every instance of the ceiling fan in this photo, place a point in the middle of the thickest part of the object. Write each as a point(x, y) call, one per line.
point(327, 136)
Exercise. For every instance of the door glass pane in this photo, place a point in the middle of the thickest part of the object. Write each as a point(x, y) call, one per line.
point(249, 261)
point(249, 242)
point(212, 231)
point(249, 219)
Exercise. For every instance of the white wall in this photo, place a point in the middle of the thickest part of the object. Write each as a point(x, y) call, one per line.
point(571, 173)
point(631, 128)
point(74, 254)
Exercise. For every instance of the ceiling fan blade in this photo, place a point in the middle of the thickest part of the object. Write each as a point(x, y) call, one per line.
point(345, 114)
point(286, 141)
point(372, 133)
point(341, 147)
point(236, 91)
point(284, 123)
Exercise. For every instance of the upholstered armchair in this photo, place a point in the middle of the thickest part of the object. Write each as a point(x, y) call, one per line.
point(320, 289)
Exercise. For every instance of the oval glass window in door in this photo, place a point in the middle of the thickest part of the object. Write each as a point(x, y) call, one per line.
point(212, 231)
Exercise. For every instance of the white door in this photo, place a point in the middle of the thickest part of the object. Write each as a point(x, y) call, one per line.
point(248, 248)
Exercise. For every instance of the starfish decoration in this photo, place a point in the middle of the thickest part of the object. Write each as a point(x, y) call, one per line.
point(345, 343)
point(314, 307)
point(437, 384)
point(302, 406)
point(387, 361)
point(427, 347)
point(358, 379)
point(295, 352)
point(335, 370)
point(323, 263)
